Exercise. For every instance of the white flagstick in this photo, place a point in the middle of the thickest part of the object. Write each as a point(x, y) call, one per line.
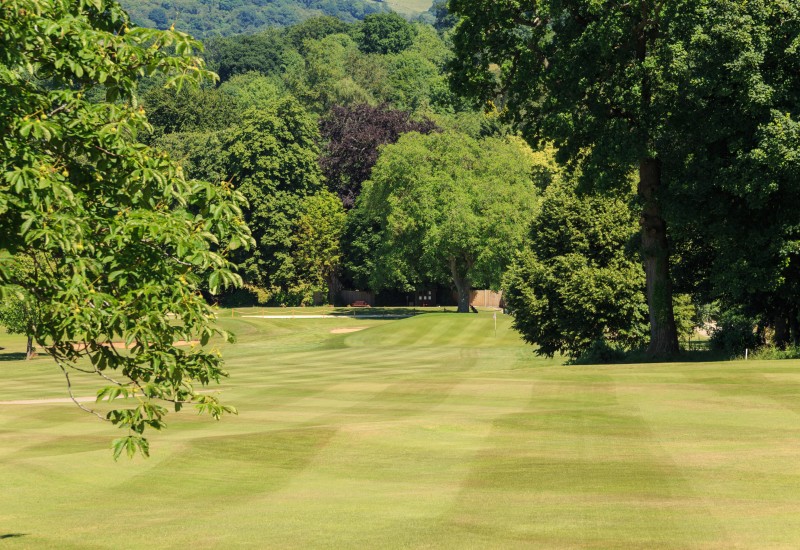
point(495, 324)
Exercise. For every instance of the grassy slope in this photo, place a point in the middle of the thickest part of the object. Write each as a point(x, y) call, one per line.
point(410, 7)
point(424, 432)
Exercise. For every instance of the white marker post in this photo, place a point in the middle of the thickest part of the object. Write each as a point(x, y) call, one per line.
point(495, 324)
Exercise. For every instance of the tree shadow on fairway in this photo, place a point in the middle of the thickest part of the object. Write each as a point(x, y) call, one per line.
point(636, 357)
point(11, 356)
point(684, 356)
point(13, 535)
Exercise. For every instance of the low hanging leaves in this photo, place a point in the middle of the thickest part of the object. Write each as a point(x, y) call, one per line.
point(119, 242)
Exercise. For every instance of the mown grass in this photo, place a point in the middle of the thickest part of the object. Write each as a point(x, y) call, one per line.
point(427, 432)
point(334, 311)
point(410, 7)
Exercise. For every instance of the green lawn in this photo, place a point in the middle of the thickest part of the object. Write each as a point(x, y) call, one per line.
point(427, 432)
point(410, 7)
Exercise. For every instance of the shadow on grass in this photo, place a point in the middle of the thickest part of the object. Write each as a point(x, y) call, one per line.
point(13, 535)
point(638, 357)
point(405, 311)
point(12, 356)
point(684, 356)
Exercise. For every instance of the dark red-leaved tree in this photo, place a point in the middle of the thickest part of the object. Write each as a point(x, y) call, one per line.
point(352, 136)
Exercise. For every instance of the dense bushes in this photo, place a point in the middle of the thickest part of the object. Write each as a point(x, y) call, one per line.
point(226, 17)
point(734, 332)
point(572, 288)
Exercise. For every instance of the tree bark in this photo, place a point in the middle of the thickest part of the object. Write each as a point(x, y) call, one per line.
point(655, 255)
point(462, 284)
point(29, 349)
point(781, 331)
point(334, 287)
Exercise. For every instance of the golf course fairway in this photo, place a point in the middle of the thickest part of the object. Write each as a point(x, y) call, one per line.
point(427, 432)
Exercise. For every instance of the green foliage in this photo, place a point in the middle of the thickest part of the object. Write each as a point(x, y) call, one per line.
point(617, 85)
point(316, 249)
point(192, 109)
point(442, 19)
point(361, 238)
point(333, 71)
point(385, 33)
point(326, 78)
point(315, 28)
point(449, 208)
point(200, 154)
point(266, 53)
point(601, 352)
point(740, 190)
point(772, 353)
point(572, 289)
point(251, 91)
point(686, 316)
point(594, 80)
point(272, 157)
point(19, 311)
point(204, 18)
point(121, 241)
point(734, 332)
point(416, 83)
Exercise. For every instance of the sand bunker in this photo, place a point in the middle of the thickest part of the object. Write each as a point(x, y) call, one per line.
point(81, 347)
point(346, 330)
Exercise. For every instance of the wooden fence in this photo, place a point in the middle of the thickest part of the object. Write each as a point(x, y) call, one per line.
point(486, 298)
point(350, 296)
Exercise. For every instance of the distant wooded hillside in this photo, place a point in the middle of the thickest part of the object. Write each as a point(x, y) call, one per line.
point(202, 18)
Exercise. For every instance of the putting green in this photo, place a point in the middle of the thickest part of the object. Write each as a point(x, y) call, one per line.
point(427, 432)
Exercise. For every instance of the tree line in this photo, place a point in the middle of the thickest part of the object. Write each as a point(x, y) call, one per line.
point(611, 167)
point(205, 18)
point(306, 118)
point(698, 101)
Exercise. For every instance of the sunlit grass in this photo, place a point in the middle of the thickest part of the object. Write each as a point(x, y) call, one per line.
point(410, 7)
point(427, 432)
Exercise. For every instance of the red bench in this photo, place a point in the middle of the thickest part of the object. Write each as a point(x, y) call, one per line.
point(360, 303)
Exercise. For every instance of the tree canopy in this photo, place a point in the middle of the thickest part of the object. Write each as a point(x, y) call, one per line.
point(204, 18)
point(736, 202)
point(20, 312)
point(620, 87)
point(121, 241)
point(385, 33)
point(450, 209)
point(265, 52)
point(574, 283)
point(353, 136)
point(272, 158)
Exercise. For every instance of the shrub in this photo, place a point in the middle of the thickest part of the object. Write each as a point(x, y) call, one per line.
point(601, 352)
point(772, 352)
point(734, 333)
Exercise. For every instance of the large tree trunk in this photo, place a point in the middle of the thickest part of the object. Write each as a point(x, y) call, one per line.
point(655, 253)
point(781, 331)
point(462, 284)
point(29, 349)
point(794, 326)
point(334, 288)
